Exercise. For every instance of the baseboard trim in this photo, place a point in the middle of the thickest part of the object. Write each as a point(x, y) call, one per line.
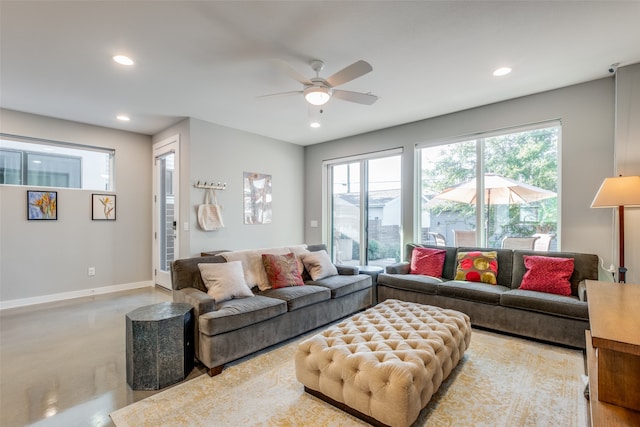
point(23, 302)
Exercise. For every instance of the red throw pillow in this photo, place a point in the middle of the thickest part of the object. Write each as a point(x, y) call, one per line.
point(547, 274)
point(427, 261)
point(478, 267)
point(282, 270)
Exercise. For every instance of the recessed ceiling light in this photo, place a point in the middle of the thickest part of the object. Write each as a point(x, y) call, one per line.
point(123, 60)
point(123, 118)
point(503, 71)
point(315, 124)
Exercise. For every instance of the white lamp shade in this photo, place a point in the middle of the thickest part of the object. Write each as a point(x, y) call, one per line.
point(317, 95)
point(618, 191)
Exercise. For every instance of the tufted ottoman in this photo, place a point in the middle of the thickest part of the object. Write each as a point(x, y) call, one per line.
point(384, 364)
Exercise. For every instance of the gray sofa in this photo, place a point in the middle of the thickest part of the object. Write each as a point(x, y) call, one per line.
point(231, 329)
point(502, 307)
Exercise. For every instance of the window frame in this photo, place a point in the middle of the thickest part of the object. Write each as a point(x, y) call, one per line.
point(72, 151)
point(480, 161)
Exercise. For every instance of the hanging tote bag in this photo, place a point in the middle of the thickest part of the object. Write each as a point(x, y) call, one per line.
point(210, 213)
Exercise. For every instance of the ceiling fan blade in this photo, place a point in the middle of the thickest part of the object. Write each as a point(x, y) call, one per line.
point(360, 98)
point(353, 71)
point(273, 95)
point(291, 72)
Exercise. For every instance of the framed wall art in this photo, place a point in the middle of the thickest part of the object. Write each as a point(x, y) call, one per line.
point(103, 207)
point(257, 198)
point(42, 205)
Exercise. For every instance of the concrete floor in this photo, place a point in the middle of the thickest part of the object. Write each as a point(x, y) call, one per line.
point(63, 363)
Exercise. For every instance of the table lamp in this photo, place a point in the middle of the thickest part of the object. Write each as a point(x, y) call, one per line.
point(619, 192)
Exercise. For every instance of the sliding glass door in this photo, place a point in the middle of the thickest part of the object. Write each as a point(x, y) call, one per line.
point(365, 210)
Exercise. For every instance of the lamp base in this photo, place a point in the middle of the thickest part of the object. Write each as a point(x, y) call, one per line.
point(622, 274)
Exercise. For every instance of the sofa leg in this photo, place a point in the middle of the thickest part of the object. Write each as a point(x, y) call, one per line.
point(216, 370)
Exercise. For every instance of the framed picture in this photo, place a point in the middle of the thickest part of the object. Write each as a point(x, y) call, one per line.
point(103, 207)
point(42, 205)
point(257, 198)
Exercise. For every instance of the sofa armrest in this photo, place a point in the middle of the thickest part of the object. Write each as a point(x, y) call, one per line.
point(582, 290)
point(347, 270)
point(398, 268)
point(202, 303)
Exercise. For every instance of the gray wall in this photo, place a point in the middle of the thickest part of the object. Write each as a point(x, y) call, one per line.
point(211, 152)
point(587, 115)
point(40, 258)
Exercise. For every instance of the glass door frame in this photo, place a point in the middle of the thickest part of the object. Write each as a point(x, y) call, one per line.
point(171, 145)
point(327, 190)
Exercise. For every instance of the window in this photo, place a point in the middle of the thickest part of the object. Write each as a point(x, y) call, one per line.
point(364, 209)
point(35, 162)
point(517, 174)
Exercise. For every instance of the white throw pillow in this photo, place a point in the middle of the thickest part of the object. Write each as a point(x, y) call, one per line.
point(319, 265)
point(298, 251)
point(252, 267)
point(224, 280)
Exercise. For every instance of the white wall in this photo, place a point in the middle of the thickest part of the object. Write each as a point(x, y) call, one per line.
point(587, 115)
point(44, 260)
point(211, 152)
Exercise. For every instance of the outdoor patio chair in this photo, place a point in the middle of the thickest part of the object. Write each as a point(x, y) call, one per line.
point(464, 238)
point(438, 238)
point(526, 243)
point(544, 241)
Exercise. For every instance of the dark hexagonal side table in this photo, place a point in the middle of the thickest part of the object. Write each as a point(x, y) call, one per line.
point(159, 345)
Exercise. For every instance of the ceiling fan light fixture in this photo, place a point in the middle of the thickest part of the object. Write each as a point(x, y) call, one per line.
point(317, 95)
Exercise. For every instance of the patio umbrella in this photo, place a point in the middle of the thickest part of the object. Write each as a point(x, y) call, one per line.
point(498, 191)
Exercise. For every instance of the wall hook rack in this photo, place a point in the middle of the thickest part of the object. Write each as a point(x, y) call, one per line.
point(211, 185)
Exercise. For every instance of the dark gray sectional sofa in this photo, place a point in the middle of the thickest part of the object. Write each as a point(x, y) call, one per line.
point(502, 307)
point(229, 330)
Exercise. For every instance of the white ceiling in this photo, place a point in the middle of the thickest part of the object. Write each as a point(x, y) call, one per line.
point(211, 59)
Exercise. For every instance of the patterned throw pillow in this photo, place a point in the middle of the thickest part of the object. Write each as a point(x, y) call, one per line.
point(478, 267)
point(282, 270)
point(547, 274)
point(427, 261)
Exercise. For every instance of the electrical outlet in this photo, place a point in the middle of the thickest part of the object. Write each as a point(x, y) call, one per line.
point(91, 271)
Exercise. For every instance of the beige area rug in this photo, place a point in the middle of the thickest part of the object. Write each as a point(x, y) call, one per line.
point(501, 381)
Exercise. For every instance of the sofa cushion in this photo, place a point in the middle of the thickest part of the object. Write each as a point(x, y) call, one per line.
point(224, 281)
point(547, 274)
point(238, 313)
point(343, 285)
point(319, 265)
point(186, 274)
point(472, 291)
point(450, 262)
point(412, 282)
point(505, 263)
point(585, 267)
point(477, 266)
point(299, 296)
point(427, 261)
point(565, 306)
point(282, 270)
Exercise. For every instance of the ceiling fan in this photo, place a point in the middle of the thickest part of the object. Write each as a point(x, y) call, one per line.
point(318, 91)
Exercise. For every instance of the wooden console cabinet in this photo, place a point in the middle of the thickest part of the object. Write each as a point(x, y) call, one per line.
point(613, 353)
